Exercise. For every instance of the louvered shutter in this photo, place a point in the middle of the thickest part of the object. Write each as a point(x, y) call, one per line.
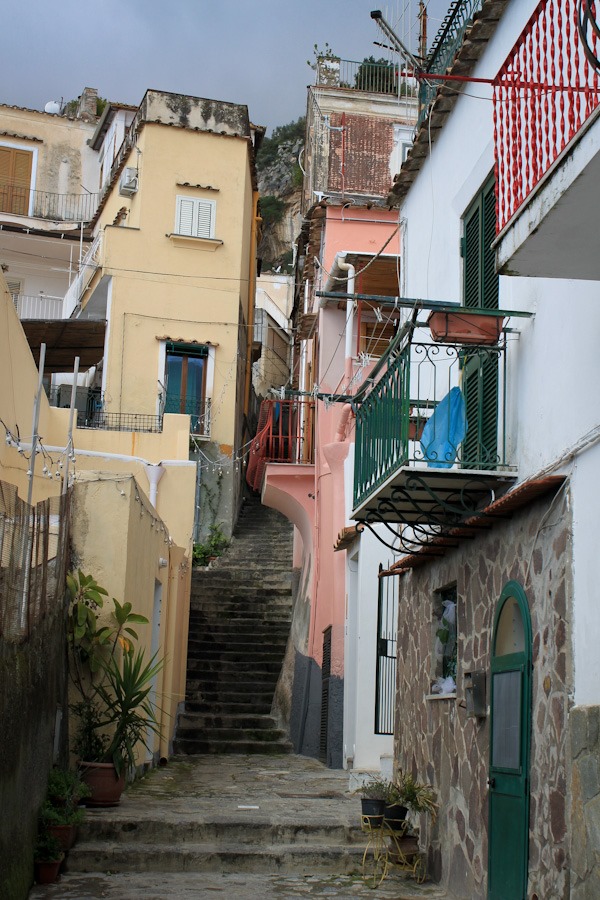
point(480, 374)
point(5, 170)
point(185, 217)
point(204, 225)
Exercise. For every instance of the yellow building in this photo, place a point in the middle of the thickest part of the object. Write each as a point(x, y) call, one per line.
point(148, 276)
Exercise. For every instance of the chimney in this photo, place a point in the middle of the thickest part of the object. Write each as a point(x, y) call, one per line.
point(86, 109)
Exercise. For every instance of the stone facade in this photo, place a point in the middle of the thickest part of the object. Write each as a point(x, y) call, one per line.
point(584, 725)
point(434, 737)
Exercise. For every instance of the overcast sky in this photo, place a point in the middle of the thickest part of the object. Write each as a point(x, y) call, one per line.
point(235, 50)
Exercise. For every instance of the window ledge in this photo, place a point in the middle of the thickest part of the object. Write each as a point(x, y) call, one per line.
point(184, 240)
point(440, 696)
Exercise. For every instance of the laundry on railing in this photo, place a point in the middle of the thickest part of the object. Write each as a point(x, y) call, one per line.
point(445, 430)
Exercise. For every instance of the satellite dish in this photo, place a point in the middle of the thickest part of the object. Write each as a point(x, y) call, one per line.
point(53, 107)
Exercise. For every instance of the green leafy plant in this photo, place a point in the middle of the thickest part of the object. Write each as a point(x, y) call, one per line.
point(215, 545)
point(65, 788)
point(113, 679)
point(375, 789)
point(47, 848)
point(415, 795)
point(128, 711)
point(56, 815)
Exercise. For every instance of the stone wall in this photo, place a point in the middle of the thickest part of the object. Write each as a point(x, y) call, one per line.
point(435, 739)
point(32, 687)
point(585, 802)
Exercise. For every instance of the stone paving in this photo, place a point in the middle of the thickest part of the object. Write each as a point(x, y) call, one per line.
point(191, 792)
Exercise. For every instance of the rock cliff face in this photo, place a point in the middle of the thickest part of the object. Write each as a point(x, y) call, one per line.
point(280, 191)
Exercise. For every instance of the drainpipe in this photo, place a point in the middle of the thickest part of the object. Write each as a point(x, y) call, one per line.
point(340, 434)
point(340, 262)
point(154, 473)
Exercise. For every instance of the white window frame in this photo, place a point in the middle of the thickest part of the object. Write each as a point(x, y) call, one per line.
point(196, 230)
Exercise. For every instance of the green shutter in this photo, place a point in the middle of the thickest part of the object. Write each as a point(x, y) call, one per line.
point(480, 373)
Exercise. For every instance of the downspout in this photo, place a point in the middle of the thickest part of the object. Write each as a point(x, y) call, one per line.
point(154, 473)
point(251, 301)
point(340, 262)
point(340, 434)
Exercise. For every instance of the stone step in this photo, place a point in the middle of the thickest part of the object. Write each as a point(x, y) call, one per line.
point(196, 703)
point(213, 857)
point(230, 685)
point(235, 656)
point(193, 747)
point(237, 641)
point(189, 730)
point(199, 830)
point(225, 720)
point(254, 667)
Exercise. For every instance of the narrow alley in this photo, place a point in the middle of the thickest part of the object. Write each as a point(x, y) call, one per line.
point(232, 826)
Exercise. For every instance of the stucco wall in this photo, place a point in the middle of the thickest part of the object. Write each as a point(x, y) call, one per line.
point(434, 738)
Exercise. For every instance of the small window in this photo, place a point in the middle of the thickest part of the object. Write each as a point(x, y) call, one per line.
point(445, 648)
point(195, 218)
point(185, 382)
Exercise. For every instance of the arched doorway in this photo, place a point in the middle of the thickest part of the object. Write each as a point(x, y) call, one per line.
point(510, 731)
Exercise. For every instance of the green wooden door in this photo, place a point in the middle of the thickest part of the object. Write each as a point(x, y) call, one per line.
point(508, 817)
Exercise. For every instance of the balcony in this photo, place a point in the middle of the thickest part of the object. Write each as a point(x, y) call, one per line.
point(446, 45)
point(430, 438)
point(285, 434)
point(547, 147)
point(39, 307)
point(20, 200)
point(366, 76)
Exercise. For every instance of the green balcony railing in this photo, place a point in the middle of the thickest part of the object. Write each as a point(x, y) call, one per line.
point(445, 47)
point(391, 418)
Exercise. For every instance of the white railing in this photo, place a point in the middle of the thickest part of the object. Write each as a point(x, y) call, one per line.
point(89, 265)
point(39, 307)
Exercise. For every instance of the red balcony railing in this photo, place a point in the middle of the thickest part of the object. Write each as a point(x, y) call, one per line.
point(543, 94)
point(284, 435)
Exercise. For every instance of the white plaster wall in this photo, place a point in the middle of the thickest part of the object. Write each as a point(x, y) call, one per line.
point(360, 742)
point(553, 362)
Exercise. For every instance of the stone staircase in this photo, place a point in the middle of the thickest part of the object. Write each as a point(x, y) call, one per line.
point(240, 619)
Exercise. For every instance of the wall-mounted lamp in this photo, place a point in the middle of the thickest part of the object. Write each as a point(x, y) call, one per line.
point(474, 684)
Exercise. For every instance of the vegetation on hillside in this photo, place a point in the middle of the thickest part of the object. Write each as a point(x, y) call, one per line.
point(292, 132)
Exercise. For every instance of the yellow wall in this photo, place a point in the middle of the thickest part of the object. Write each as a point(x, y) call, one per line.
point(161, 288)
point(134, 576)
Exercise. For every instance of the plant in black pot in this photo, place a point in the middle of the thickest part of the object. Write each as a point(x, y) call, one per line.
point(373, 798)
point(115, 711)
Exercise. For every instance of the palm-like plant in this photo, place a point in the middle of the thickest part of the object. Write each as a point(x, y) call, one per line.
point(128, 711)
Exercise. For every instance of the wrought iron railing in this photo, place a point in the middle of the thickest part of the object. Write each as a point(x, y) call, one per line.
point(107, 421)
point(445, 47)
point(24, 201)
point(199, 412)
point(39, 307)
point(285, 434)
point(371, 76)
point(391, 418)
point(543, 94)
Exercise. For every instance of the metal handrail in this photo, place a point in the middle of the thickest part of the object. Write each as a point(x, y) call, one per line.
point(21, 200)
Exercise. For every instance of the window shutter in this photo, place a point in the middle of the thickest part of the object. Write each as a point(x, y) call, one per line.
point(204, 226)
point(472, 257)
point(480, 378)
point(490, 280)
point(15, 180)
point(185, 216)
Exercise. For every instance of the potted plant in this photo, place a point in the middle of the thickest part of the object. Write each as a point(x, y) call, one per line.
point(65, 788)
point(114, 681)
point(373, 798)
point(47, 858)
point(61, 822)
point(215, 544)
point(406, 794)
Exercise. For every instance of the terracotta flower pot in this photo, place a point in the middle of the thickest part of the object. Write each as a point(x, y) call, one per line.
point(105, 787)
point(64, 834)
point(465, 327)
point(46, 872)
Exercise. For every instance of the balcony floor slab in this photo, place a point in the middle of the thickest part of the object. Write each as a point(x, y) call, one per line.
point(419, 495)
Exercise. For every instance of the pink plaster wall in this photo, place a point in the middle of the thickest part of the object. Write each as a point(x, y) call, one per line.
point(367, 235)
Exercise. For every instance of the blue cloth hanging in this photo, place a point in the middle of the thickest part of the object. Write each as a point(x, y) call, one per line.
point(445, 430)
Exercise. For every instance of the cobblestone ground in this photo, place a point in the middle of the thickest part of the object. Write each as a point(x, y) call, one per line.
point(196, 791)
